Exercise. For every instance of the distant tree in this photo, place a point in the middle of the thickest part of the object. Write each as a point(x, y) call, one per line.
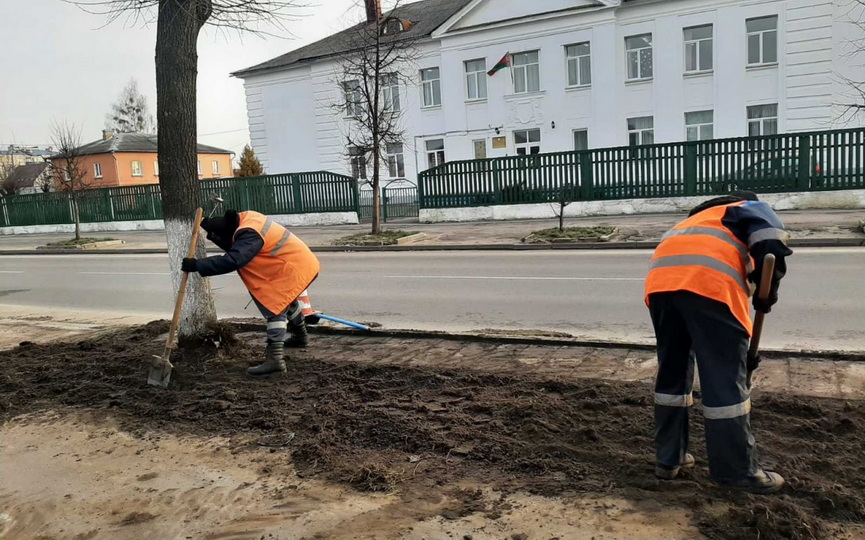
point(8, 183)
point(130, 113)
point(249, 163)
point(566, 195)
point(68, 166)
point(854, 100)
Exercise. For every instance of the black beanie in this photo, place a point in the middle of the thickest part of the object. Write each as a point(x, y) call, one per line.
point(221, 230)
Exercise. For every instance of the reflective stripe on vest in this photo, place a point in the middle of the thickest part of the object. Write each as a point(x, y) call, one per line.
point(285, 236)
point(720, 235)
point(768, 234)
point(702, 260)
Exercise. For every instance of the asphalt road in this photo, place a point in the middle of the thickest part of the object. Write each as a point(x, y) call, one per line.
point(588, 294)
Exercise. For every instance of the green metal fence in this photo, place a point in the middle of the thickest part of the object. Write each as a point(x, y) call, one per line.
point(825, 160)
point(296, 193)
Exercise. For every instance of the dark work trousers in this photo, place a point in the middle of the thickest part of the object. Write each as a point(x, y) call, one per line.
point(277, 325)
point(689, 326)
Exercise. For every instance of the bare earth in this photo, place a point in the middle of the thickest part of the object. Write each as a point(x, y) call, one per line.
point(110, 471)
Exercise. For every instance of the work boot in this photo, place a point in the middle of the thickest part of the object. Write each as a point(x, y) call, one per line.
point(667, 473)
point(299, 337)
point(274, 363)
point(762, 483)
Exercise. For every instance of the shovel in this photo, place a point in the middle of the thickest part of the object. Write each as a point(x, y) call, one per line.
point(160, 369)
point(763, 293)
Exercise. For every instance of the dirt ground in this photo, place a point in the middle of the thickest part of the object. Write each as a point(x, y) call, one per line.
point(383, 438)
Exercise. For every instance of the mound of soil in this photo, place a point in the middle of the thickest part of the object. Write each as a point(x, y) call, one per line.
point(380, 428)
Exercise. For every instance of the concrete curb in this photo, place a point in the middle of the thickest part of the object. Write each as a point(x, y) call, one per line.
point(804, 242)
point(251, 325)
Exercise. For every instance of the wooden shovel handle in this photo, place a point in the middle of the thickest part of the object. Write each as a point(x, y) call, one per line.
point(181, 292)
point(763, 293)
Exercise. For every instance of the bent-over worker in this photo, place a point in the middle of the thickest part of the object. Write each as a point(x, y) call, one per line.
point(274, 264)
point(697, 292)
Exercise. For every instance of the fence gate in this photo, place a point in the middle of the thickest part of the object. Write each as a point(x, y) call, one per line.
point(396, 202)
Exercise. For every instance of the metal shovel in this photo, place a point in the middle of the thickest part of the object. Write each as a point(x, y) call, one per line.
point(160, 369)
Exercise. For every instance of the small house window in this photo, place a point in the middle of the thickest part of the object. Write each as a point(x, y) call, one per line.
point(395, 160)
point(97, 170)
point(762, 40)
point(476, 79)
point(639, 57)
point(392, 26)
point(199, 168)
point(698, 49)
point(156, 168)
point(579, 64)
point(527, 141)
point(215, 167)
point(136, 168)
point(435, 152)
point(432, 87)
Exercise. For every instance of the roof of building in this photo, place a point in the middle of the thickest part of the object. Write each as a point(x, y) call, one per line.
point(25, 176)
point(135, 142)
point(425, 17)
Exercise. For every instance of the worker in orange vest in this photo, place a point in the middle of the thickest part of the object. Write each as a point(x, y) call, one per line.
point(274, 264)
point(697, 291)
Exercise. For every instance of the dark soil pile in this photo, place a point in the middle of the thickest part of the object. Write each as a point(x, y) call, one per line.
point(379, 428)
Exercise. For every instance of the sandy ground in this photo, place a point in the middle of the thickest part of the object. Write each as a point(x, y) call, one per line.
point(78, 474)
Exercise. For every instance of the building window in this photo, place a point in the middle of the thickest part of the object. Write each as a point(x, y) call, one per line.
point(480, 148)
point(215, 165)
point(156, 168)
point(358, 162)
point(527, 141)
point(476, 79)
point(97, 170)
point(351, 92)
point(199, 168)
point(639, 57)
point(435, 152)
point(641, 130)
point(527, 72)
point(136, 168)
point(698, 48)
point(579, 64)
point(581, 139)
point(699, 125)
point(390, 92)
point(763, 120)
point(432, 87)
point(395, 161)
point(762, 40)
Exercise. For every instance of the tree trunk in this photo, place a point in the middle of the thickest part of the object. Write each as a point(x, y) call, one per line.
point(176, 70)
point(562, 217)
point(376, 190)
point(376, 136)
point(76, 216)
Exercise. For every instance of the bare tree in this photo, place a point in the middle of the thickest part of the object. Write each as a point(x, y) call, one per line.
point(178, 23)
point(8, 182)
point(67, 166)
point(854, 103)
point(566, 195)
point(130, 113)
point(370, 77)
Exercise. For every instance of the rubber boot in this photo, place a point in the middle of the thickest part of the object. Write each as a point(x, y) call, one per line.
point(299, 337)
point(274, 363)
point(670, 473)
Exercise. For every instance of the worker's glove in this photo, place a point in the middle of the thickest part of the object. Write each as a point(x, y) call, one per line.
point(764, 305)
point(753, 362)
point(189, 265)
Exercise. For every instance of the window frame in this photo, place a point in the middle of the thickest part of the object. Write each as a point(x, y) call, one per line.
point(97, 170)
point(529, 144)
point(698, 45)
point(434, 84)
point(700, 127)
point(357, 162)
point(156, 168)
point(199, 168)
point(390, 93)
point(214, 166)
point(478, 76)
point(641, 132)
point(761, 36)
point(524, 69)
point(574, 138)
point(651, 48)
point(140, 171)
point(761, 121)
point(436, 155)
point(398, 160)
point(352, 108)
point(577, 60)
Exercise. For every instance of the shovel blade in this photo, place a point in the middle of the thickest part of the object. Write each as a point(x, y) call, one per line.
point(160, 373)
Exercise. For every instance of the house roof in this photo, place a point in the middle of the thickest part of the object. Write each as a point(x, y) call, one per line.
point(25, 176)
point(135, 142)
point(425, 16)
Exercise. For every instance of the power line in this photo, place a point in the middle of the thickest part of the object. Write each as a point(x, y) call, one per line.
point(223, 132)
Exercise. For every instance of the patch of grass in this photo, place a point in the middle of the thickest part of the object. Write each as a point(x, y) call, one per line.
point(74, 242)
point(569, 233)
point(386, 238)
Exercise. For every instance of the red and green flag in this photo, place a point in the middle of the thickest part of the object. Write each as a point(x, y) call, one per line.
point(501, 64)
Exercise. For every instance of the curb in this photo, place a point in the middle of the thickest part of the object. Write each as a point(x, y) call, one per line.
point(247, 325)
point(817, 242)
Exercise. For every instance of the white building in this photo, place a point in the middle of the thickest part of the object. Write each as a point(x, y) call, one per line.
point(583, 73)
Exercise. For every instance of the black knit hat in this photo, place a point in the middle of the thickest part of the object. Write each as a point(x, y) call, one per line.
point(221, 230)
point(737, 196)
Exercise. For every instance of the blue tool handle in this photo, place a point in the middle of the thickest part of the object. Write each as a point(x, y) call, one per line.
point(343, 321)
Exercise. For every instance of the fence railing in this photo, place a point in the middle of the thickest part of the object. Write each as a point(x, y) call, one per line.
point(816, 161)
point(296, 193)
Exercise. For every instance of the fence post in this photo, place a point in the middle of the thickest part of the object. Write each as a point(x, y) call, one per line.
point(497, 182)
point(690, 168)
point(587, 180)
point(803, 178)
point(295, 190)
point(4, 219)
point(108, 203)
point(355, 190)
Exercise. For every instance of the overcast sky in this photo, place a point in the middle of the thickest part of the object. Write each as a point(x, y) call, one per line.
point(60, 62)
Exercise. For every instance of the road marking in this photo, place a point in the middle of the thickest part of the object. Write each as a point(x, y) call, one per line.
point(529, 278)
point(11, 271)
point(125, 273)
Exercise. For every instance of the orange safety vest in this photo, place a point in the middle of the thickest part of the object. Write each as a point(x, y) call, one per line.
point(704, 257)
point(283, 268)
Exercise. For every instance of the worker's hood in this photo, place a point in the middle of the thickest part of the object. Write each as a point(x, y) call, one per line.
point(738, 196)
point(221, 230)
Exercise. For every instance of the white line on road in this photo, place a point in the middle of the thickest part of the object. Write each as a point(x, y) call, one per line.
point(11, 271)
point(125, 273)
point(532, 278)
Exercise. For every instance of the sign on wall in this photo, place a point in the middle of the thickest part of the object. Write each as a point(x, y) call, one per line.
point(500, 142)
